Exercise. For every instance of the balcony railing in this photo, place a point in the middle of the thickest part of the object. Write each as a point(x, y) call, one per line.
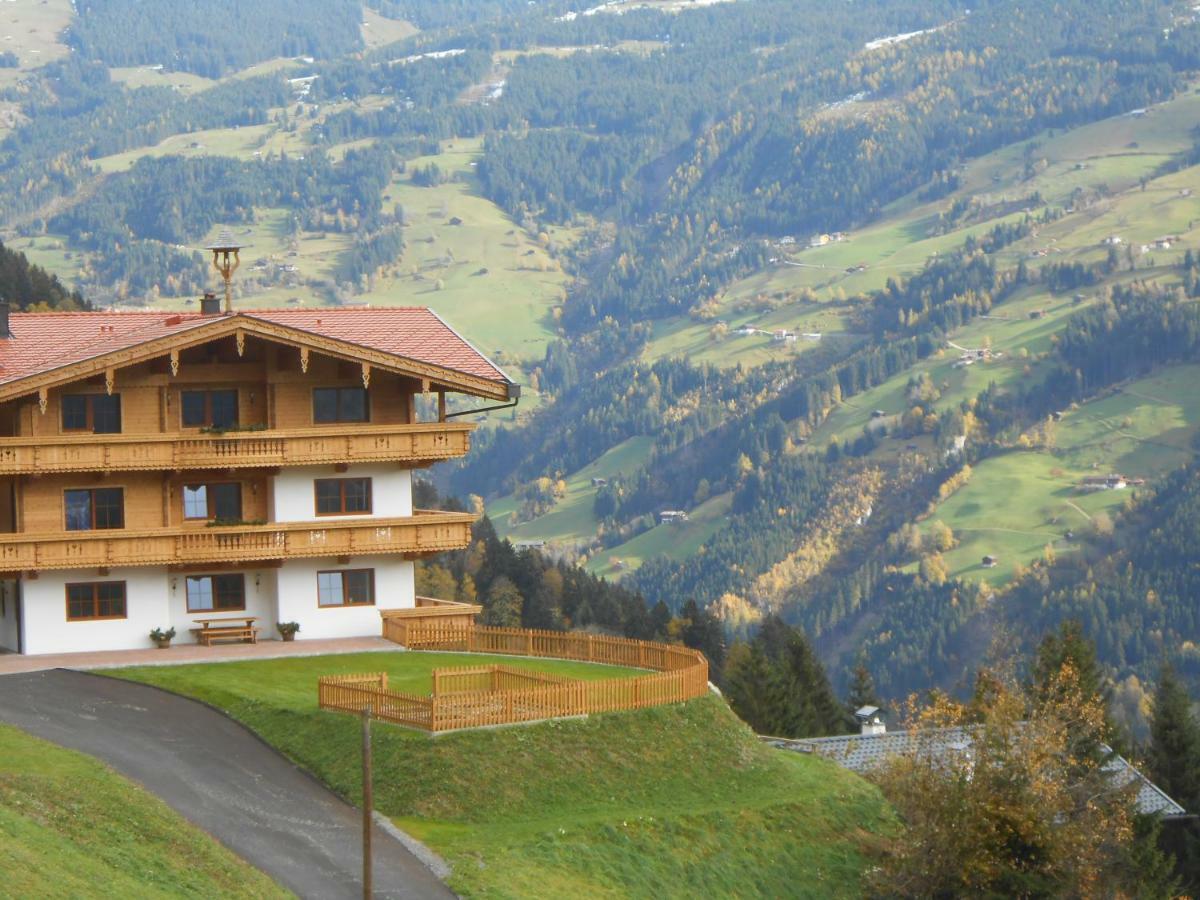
point(416, 445)
point(423, 532)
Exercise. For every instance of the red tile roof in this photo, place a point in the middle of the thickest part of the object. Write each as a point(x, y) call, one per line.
point(42, 342)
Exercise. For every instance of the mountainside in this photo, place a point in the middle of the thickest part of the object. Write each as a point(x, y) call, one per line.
point(872, 298)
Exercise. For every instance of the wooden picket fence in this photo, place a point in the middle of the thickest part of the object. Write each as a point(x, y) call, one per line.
point(481, 696)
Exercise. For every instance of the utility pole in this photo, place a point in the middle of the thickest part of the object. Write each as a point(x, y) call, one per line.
point(368, 801)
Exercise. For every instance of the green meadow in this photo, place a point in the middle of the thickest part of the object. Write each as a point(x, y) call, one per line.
point(1017, 503)
point(673, 801)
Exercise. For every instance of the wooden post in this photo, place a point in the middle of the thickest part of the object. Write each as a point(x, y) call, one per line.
point(441, 406)
point(368, 801)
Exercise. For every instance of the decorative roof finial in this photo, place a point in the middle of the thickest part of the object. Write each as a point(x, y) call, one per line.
point(225, 261)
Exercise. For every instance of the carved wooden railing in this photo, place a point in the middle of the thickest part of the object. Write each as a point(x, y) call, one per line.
point(415, 445)
point(423, 532)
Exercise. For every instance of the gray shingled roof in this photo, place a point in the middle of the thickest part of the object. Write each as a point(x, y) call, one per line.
point(864, 752)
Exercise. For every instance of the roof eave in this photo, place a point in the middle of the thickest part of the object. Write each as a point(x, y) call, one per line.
point(428, 373)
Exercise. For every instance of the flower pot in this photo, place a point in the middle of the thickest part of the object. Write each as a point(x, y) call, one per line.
point(288, 635)
point(163, 643)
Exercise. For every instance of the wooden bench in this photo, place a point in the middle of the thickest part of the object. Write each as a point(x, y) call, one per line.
point(211, 630)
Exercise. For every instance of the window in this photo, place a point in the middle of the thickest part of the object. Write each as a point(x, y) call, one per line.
point(97, 413)
point(349, 587)
point(95, 508)
point(221, 593)
point(209, 409)
point(343, 496)
point(222, 502)
point(98, 600)
point(332, 405)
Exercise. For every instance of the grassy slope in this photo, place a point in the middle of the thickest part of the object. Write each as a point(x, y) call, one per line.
point(1115, 154)
point(677, 801)
point(71, 827)
point(675, 540)
point(505, 309)
point(571, 518)
point(1018, 503)
point(485, 274)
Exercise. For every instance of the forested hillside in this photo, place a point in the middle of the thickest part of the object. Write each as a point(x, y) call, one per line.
point(212, 37)
point(869, 298)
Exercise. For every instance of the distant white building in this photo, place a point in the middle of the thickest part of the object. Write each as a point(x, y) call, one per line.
point(1113, 482)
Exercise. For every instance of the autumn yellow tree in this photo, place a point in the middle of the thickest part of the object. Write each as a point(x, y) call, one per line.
point(1011, 804)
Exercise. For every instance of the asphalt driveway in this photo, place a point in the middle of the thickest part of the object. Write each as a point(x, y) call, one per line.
point(220, 777)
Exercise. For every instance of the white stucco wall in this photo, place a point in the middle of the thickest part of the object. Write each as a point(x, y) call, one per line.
point(297, 592)
point(45, 612)
point(150, 602)
point(293, 495)
point(9, 637)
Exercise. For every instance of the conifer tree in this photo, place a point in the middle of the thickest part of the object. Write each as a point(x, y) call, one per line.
point(1173, 763)
point(862, 686)
point(1069, 646)
point(702, 631)
point(1173, 759)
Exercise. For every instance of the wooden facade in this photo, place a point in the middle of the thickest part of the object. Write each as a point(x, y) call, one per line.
point(156, 454)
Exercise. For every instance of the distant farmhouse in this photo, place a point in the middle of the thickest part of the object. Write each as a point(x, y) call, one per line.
point(1110, 482)
point(875, 745)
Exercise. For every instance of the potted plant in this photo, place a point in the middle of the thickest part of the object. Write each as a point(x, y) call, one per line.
point(287, 630)
point(162, 638)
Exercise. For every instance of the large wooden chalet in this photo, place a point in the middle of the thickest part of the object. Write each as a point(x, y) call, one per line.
point(159, 468)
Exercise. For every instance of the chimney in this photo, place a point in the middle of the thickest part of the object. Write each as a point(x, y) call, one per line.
point(870, 720)
point(5, 332)
point(209, 305)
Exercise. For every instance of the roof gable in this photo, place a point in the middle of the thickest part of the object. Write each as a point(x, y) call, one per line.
point(47, 349)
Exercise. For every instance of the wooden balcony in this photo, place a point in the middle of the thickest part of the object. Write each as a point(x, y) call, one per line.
point(415, 445)
point(424, 532)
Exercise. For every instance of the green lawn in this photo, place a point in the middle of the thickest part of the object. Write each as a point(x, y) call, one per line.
point(676, 801)
point(70, 827)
